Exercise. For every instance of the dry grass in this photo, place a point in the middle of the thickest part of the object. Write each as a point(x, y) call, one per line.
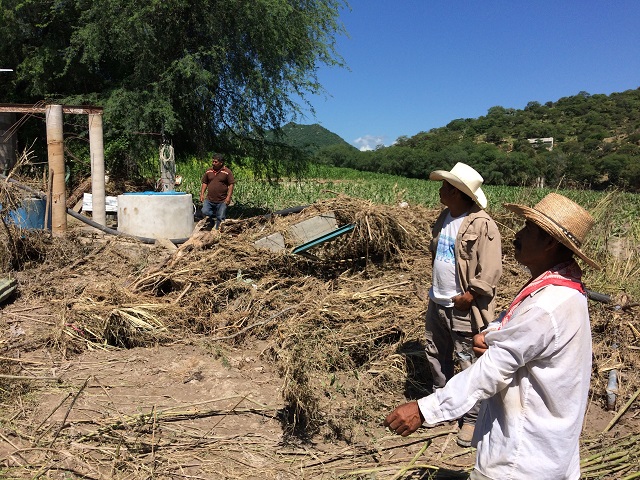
point(343, 329)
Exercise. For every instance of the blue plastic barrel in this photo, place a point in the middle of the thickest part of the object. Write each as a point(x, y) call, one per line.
point(30, 214)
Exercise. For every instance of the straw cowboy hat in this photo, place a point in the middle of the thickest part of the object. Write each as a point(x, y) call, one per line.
point(563, 219)
point(465, 179)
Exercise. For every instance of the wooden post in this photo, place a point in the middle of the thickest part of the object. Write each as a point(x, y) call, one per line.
point(55, 148)
point(96, 149)
point(7, 142)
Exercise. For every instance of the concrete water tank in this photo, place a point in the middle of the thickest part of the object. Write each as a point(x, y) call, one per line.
point(156, 214)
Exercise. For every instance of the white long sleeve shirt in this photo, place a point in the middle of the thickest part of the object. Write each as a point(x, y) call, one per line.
point(534, 380)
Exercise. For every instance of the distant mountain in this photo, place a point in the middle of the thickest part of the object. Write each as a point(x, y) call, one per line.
point(311, 138)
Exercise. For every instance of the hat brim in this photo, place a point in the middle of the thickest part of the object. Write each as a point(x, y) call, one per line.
point(478, 196)
point(551, 228)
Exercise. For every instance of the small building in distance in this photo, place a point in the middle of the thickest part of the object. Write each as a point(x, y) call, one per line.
point(546, 142)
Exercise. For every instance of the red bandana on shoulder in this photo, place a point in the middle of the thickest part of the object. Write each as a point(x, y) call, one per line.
point(566, 274)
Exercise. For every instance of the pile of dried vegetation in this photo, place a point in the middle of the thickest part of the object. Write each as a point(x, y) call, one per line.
point(343, 326)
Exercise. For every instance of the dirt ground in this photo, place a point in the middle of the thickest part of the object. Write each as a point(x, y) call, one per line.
point(219, 379)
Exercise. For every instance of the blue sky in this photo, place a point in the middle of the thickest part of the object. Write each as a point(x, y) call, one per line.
point(414, 65)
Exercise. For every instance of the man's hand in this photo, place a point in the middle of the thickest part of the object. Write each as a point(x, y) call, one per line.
point(479, 345)
point(405, 419)
point(463, 302)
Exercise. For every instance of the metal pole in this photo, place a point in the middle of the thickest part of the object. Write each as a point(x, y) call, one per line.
point(55, 147)
point(96, 149)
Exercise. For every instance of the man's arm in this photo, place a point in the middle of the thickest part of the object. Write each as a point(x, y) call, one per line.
point(202, 190)
point(513, 346)
point(489, 254)
point(229, 193)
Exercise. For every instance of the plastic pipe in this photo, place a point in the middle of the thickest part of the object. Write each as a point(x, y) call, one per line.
point(612, 389)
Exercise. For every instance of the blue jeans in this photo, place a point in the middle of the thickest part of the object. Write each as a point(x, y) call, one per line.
point(219, 210)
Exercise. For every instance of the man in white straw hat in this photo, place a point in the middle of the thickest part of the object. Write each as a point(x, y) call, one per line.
point(535, 366)
point(467, 265)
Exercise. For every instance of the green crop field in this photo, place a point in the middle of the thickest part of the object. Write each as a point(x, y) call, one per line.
point(622, 209)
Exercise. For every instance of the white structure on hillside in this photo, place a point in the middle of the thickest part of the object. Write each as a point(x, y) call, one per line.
point(546, 142)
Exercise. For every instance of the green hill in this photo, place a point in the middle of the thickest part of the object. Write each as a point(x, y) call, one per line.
point(311, 138)
point(584, 140)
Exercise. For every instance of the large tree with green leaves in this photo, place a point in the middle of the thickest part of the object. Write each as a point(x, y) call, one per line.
point(206, 74)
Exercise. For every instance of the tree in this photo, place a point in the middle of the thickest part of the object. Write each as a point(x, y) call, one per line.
point(204, 73)
point(494, 135)
point(631, 174)
point(338, 155)
point(533, 106)
point(612, 168)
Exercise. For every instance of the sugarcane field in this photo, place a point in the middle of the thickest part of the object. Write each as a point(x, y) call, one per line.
point(236, 355)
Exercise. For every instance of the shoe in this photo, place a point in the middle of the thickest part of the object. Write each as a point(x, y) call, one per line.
point(465, 435)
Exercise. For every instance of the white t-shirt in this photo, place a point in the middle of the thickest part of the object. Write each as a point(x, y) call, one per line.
point(445, 283)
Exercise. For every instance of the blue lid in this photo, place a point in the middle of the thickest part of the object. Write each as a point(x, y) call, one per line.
point(156, 193)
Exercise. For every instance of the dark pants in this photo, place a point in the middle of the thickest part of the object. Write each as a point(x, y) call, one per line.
point(449, 340)
point(219, 210)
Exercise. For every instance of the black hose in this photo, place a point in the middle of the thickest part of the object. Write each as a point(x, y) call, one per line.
point(111, 231)
point(598, 297)
point(290, 210)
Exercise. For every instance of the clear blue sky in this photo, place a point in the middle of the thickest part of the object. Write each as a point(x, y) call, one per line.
point(414, 65)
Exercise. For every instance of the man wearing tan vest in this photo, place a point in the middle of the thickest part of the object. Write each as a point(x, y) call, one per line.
point(467, 265)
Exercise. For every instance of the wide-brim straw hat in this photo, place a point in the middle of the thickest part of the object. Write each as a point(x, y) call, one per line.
point(465, 179)
point(563, 219)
